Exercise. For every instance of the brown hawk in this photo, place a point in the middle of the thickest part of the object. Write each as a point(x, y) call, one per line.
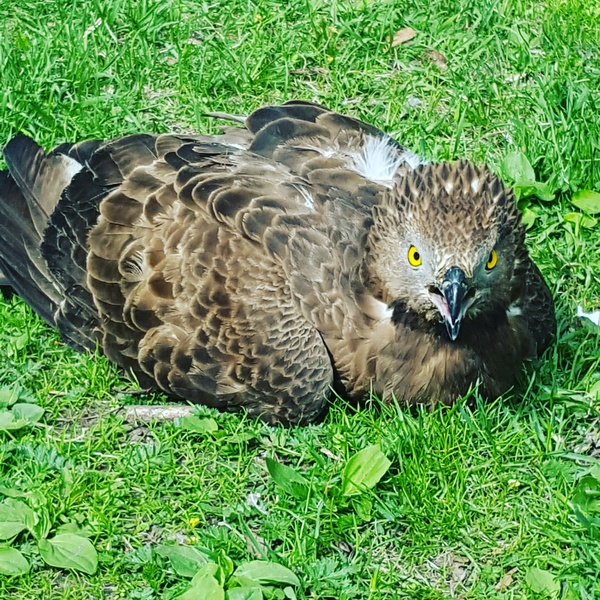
point(264, 267)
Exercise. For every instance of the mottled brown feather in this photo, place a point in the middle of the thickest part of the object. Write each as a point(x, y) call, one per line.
point(262, 267)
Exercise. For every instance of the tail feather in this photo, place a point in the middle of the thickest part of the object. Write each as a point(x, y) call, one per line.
point(29, 193)
point(22, 283)
point(40, 177)
point(20, 256)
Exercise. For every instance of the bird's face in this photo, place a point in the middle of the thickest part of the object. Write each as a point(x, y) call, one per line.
point(454, 282)
point(453, 244)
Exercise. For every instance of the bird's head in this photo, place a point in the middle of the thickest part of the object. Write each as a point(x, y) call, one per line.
point(447, 244)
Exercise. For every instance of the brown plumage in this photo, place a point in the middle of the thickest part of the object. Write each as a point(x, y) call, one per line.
point(265, 266)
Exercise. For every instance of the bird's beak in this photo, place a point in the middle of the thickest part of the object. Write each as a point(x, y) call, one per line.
point(449, 298)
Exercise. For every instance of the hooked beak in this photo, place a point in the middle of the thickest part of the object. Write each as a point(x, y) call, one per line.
point(450, 299)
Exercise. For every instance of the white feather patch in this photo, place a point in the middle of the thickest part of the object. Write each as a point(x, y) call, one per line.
point(382, 311)
point(593, 316)
point(411, 159)
point(71, 166)
point(513, 311)
point(378, 160)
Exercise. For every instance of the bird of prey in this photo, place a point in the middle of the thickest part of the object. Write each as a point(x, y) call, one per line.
point(263, 267)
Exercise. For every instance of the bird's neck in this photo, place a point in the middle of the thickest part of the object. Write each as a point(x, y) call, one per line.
point(421, 364)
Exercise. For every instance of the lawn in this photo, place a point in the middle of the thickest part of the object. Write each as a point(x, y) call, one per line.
point(484, 500)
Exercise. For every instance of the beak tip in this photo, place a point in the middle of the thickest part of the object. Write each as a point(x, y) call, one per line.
point(454, 289)
point(452, 329)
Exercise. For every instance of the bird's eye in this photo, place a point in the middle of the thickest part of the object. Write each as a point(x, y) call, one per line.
point(414, 258)
point(492, 260)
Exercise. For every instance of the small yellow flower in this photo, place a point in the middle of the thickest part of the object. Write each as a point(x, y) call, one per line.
point(333, 29)
point(329, 59)
point(194, 521)
point(258, 19)
point(513, 484)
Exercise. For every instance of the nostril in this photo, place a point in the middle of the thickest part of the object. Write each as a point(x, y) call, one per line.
point(432, 289)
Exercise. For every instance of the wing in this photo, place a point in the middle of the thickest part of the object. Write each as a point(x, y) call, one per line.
point(537, 306)
point(213, 266)
point(29, 193)
point(194, 283)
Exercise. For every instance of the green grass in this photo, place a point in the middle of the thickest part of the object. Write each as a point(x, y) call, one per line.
point(477, 495)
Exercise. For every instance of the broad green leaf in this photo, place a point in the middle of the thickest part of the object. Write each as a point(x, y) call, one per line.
point(197, 424)
point(288, 479)
point(595, 391)
point(544, 192)
point(10, 529)
point(244, 593)
point(242, 582)
point(364, 470)
point(581, 220)
point(66, 475)
point(522, 192)
point(11, 395)
point(533, 188)
point(71, 527)
point(212, 569)
point(30, 412)
point(542, 582)
point(586, 504)
point(9, 422)
point(69, 551)
point(185, 560)
point(240, 437)
point(12, 562)
point(515, 167)
point(18, 508)
point(225, 563)
point(205, 588)
point(587, 201)
point(8, 396)
point(528, 217)
point(21, 341)
point(289, 593)
point(266, 572)
point(587, 495)
point(36, 498)
point(364, 508)
point(44, 523)
point(12, 492)
point(14, 517)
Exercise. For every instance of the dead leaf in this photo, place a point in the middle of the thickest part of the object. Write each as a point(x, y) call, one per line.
point(506, 580)
point(329, 454)
point(403, 35)
point(345, 548)
point(438, 59)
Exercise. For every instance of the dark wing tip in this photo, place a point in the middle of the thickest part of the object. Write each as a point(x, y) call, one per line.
point(21, 150)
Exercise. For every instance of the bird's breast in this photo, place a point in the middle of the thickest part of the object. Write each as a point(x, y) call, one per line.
point(426, 367)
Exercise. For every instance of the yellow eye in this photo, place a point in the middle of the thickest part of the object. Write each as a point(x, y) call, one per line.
point(492, 260)
point(414, 258)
